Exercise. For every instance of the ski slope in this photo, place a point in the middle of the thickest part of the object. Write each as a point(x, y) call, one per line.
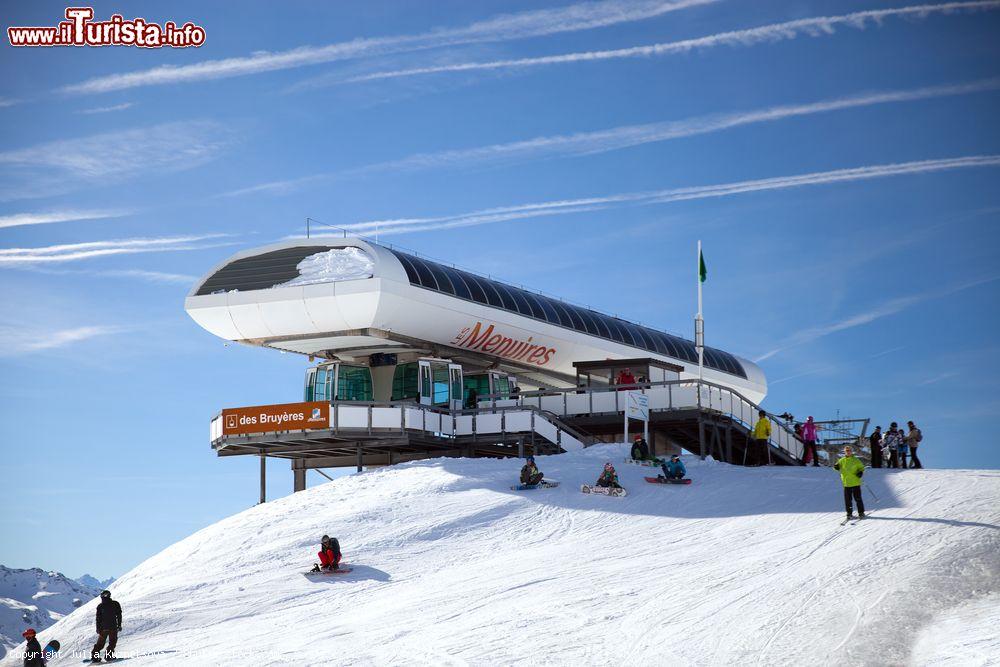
point(451, 567)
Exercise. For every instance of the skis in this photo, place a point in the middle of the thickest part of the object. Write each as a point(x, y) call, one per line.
point(854, 519)
point(603, 490)
point(663, 480)
point(544, 484)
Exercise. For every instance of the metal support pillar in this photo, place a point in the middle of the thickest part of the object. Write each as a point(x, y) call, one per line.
point(701, 435)
point(298, 478)
point(361, 459)
point(263, 477)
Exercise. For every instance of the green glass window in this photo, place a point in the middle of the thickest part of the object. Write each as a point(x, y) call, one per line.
point(404, 381)
point(354, 383)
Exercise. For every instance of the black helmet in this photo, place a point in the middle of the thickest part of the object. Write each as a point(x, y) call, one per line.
point(530, 458)
point(325, 538)
point(105, 595)
point(675, 457)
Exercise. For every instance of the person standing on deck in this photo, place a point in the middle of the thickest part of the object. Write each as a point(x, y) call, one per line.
point(913, 439)
point(851, 469)
point(891, 443)
point(875, 445)
point(903, 448)
point(761, 435)
point(809, 434)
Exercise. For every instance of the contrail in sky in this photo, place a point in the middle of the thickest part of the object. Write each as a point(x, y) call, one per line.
point(539, 209)
point(775, 32)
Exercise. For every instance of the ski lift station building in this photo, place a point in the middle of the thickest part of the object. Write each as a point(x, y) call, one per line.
point(414, 358)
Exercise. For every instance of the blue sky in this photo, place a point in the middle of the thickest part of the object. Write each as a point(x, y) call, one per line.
point(839, 161)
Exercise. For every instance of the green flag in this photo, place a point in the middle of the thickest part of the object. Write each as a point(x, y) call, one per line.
point(702, 271)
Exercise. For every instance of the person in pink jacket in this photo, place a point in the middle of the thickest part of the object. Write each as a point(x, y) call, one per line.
point(809, 438)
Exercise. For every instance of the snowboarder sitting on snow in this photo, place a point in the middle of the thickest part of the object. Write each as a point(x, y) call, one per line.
point(674, 468)
point(530, 473)
point(609, 478)
point(851, 468)
point(640, 450)
point(33, 650)
point(109, 624)
point(329, 553)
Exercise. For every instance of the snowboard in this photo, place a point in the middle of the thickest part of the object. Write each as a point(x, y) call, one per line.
point(649, 464)
point(663, 480)
point(50, 650)
point(603, 490)
point(329, 573)
point(544, 484)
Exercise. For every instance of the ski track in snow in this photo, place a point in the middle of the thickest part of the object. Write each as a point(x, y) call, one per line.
point(451, 567)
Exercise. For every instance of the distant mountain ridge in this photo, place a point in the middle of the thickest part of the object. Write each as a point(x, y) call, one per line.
point(36, 598)
point(94, 582)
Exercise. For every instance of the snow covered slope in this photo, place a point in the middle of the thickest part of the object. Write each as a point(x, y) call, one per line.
point(745, 566)
point(37, 599)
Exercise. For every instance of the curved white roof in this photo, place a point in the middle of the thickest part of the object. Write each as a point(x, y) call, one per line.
point(380, 297)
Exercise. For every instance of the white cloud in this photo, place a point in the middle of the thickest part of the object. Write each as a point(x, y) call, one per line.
point(59, 166)
point(504, 27)
point(20, 219)
point(15, 257)
point(115, 107)
point(589, 143)
point(539, 209)
point(812, 27)
point(17, 341)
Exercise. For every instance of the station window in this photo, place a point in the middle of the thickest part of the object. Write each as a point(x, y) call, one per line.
point(354, 383)
point(480, 383)
point(440, 376)
point(404, 382)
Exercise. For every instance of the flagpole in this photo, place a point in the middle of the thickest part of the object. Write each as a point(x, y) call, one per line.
point(699, 322)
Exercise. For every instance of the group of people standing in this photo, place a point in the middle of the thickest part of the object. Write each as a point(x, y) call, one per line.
point(891, 449)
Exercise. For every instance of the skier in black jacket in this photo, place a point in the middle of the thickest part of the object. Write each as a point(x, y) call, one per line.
point(33, 650)
point(109, 624)
point(875, 443)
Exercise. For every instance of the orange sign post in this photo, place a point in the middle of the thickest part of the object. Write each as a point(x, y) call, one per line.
point(275, 418)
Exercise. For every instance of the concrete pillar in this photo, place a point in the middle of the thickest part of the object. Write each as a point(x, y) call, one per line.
point(263, 477)
point(361, 459)
point(298, 480)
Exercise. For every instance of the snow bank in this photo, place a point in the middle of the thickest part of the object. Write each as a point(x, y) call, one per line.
point(451, 567)
point(332, 265)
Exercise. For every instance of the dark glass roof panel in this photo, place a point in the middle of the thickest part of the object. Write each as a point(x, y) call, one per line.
point(475, 288)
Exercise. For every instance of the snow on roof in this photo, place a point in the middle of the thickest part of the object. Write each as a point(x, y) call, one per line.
point(332, 265)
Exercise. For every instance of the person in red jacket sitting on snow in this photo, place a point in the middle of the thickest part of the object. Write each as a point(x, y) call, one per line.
point(329, 553)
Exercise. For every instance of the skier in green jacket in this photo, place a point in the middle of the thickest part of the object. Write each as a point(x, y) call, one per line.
point(851, 468)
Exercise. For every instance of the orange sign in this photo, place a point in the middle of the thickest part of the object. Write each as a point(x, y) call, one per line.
point(275, 418)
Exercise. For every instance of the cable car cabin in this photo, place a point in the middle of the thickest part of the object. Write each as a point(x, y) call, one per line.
point(337, 381)
point(428, 381)
point(492, 388)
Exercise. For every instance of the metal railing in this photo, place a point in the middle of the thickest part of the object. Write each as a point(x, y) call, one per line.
point(663, 396)
point(374, 419)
